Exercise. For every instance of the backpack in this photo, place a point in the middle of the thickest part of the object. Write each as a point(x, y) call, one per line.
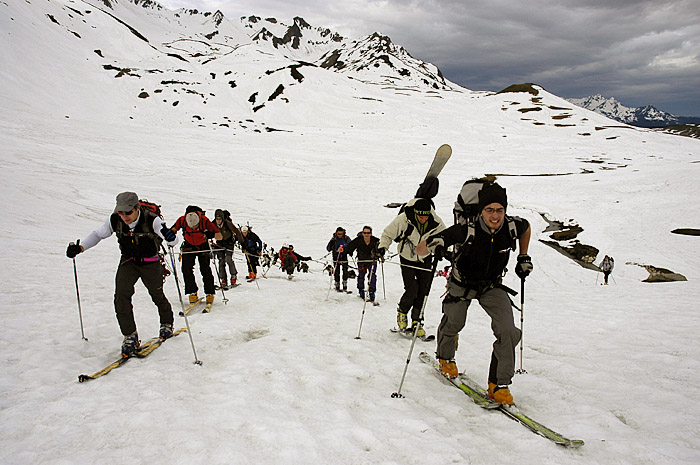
point(153, 207)
point(466, 211)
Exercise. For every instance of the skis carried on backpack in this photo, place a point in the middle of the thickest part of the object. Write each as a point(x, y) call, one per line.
point(429, 187)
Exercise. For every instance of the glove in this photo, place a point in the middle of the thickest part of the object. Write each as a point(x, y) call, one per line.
point(524, 266)
point(381, 251)
point(73, 250)
point(437, 246)
point(209, 234)
point(340, 249)
point(168, 233)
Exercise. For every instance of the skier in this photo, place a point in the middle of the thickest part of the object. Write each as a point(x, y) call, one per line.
point(417, 222)
point(139, 233)
point(477, 274)
point(289, 259)
point(607, 266)
point(197, 230)
point(252, 247)
point(366, 246)
point(337, 245)
point(229, 235)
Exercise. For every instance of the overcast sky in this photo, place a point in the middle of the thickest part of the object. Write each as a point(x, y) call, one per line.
point(642, 52)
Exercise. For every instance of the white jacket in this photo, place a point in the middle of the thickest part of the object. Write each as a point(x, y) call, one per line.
point(397, 228)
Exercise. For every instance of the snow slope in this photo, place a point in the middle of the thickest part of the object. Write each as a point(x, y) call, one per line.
point(283, 379)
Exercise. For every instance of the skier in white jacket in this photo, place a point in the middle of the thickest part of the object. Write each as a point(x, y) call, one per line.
point(415, 224)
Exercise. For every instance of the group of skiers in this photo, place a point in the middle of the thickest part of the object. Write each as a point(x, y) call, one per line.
point(140, 233)
point(479, 249)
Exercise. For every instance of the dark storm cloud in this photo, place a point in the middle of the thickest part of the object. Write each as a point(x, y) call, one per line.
point(641, 52)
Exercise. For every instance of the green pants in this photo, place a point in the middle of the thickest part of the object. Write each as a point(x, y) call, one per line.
point(151, 275)
point(496, 303)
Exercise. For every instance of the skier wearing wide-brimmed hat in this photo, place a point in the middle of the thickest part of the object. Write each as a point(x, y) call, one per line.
point(139, 233)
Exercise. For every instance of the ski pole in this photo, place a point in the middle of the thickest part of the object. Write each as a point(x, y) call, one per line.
point(522, 317)
point(77, 292)
point(383, 284)
point(597, 275)
point(613, 278)
point(364, 305)
point(415, 331)
point(218, 275)
point(182, 304)
point(330, 281)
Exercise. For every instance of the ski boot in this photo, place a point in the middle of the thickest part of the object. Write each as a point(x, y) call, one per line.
point(421, 331)
point(166, 331)
point(193, 298)
point(401, 321)
point(448, 368)
point(130, 344)
point(501, 394)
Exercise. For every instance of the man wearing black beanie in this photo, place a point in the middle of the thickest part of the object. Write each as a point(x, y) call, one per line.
point(477, 274)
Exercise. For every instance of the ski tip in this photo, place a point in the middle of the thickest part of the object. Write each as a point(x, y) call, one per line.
point(83, 378)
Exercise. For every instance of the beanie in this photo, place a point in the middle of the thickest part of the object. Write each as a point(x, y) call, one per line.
point(492, 194)
point(219, 213)
point(422, 207)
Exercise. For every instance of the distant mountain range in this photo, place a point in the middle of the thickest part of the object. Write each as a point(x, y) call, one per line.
point(646, 116)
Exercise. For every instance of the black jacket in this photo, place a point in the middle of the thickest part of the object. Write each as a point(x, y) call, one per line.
point(365, 252)
point(487, 257)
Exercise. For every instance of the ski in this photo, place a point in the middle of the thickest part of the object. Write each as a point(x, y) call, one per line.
point(207, 307)
point(429, 188)
point(373, 302)
point(408, 334)
point(458, 383)
point(444, 152)
point(143, 351)
point(480, 397)
point(191, 307)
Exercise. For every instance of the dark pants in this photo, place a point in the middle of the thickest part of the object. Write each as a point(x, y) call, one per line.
point(606, 274)
point(188, 260)
point(225, 257)
point(341, 261)
point(151, 275)
point(253, 261)
point(416, 284)
point(496, 303)
point(369, 269)
point(289, 264)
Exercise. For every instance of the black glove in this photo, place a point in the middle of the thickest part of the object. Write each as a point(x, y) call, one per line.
point(73, 250)
point(524, 266)
point(168, 233)
point(381, 251)
point(209, 234)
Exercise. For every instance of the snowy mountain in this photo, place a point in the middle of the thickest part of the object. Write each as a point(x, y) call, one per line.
point(646, 116)
point(193, 108)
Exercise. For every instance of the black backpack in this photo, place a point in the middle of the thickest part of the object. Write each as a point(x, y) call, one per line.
point(466, 211)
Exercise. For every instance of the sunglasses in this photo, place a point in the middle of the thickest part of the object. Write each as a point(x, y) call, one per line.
point(126, 213)
point(366, 233)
